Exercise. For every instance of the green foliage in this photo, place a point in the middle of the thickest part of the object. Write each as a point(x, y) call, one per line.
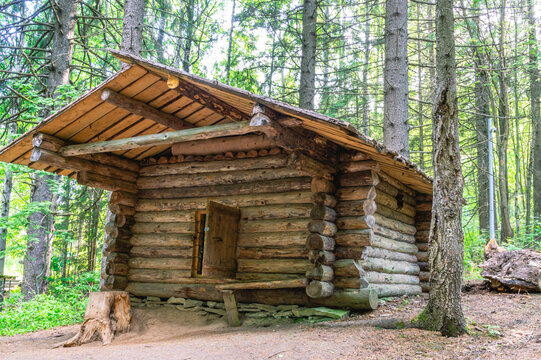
point(473, 253)
point(64, 304)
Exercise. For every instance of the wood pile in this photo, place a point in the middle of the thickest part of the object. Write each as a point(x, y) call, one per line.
point(518, 270)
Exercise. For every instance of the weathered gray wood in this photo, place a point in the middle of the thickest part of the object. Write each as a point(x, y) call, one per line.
point(320, 272)
point(231, 309)
point(321, 212)
point(320, 242)
point(356, 208)
point(222, 145)
point(47, 142)
point(321, 257)
point(322, 227)
point(319, 289)
point(167, 138)
point(105, 182)
point(324, 199)
point(356, 222)
point(169, 240)
point(354, 238)
point(144, 110)
point(282, 266)
point(309, 166)
point(359, 178)
point(382, 242)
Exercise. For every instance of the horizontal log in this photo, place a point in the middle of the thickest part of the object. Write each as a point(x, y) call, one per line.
point(321, 212)
point(423, 217)
point(319, 289)
point(265, 276)
point(390, 255)
point(272, 253)
point(393, 234)
point(353, 156)
point(281, 266)
point(425, 286)
point(166, 138)
point(424, 276)
point(381, 242)
point(77, 164)
point(114, 160)
point(422, 236)
point(324, 199)
point(47, 142)
point(116, 245)
point(279, 225)
point(423, 265)
point(356, 193)
point(169, 228)
point(278, 211)
point(217, 178)
point(353, 299)
point(350, 283)
point(422, 256)
point(320, 242)
point(161, 251)
point(423, 226)
point(271, 186)
point(424, 206)
point(321, 185)
point(165, 216)
point(355, 166)
point(273, 284)
point(360, 178)
point(123, 198)
point(272, 239)
point(309, 166)
point(158, 276)
point(383, 278)
point(347, 252)
point(348, 268)
point(163, 240)
point(397, 184)
point(356, 208)
point(321, 257)
point(113, 282)
point(389, 290)
point(160, 263)
point(242, 201)
point(105, 182)
point(355, 222)
point(320, 272)
point(390, 266)
point(199, 167)
point(222, 145)
point(395, 215)
point(422, 246)
point(354, 238)
point(394, 204)
point(112, 268)
point(144, 110)
point(119, 209)
point(387, 188)
point(322, 227)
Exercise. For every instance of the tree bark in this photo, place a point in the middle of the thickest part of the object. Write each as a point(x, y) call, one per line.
point(186, 62)
point(308, 59)
point(395, 88)
point(443, 311)
point(4, 213)
point(230, 45)
point(132, 27)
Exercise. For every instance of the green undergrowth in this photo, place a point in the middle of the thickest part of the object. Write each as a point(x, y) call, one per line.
point(64, 304)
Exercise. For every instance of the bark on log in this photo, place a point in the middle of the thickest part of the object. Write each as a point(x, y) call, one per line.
point(321, 185)
point(275, 284)
point(389, 290)
point(169, 240)
point(395, 225)
point(360, 178)
point(107, 314)
point(356, 208)
point(278, 225)
point(319, 289)
point(381, 242)
point(356, 223)
point(123, 198)
point(321, 257)
point(322, 227)
point(213, 146)
point(309, 166)
point(272, 239)
point(393, 234)
point(272, 253)
point(320, 242)
point(160, 263)
point(105, 182)
point(320, 212)
point(279, 211)
point(324, 199)
point(355, 166)
point(354, 238)
point(281, 266)
point(160, 252)
point(356, 193)
point(320, 272)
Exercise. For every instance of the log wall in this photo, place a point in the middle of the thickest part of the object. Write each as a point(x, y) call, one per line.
point(275, 201)
point(422, 223)
point(376, 219)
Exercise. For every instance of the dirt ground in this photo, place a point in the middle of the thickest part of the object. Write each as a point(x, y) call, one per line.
point(502, 326)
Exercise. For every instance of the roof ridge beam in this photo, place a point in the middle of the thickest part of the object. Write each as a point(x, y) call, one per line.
point(204, 98)
point(144, 110)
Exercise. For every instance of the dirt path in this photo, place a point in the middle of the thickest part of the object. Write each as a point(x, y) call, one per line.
point(503, 326)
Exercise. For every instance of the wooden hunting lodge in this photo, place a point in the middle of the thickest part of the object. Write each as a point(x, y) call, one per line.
point(216, 189)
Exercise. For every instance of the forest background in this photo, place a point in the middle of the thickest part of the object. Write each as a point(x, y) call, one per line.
point(256, 45)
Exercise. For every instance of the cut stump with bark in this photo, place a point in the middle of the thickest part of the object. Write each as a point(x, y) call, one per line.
point(518, 270)
point(107, 314)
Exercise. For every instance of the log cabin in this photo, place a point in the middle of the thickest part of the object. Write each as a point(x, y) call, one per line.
point(215, 190)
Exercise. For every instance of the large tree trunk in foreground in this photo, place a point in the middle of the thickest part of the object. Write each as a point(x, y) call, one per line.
point(308, 59)
point(518, 270)
point(443, 311)
point(395, 104)
point(107, 313)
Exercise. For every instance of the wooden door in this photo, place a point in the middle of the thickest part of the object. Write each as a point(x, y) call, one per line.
point(220, 251)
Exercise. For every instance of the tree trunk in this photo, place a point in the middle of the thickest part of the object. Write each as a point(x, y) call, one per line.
point(163, 8)
point(365, 67)
point(308, 59)
point(506, 230)
point(132, 27)
point(443, 311)
point(186, 61)
point(395, 88)
point(230, 45)
point(4, 213)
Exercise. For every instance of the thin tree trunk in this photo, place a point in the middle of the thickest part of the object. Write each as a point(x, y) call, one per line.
point(506, 230)
point(365, 67)
point(420, 93)
point(230, 45)
point(163, 8)
point(518, 186)
point(65, 226)
point(4, 213)
point(395, 88)
point(443, 311)
point(308, 57)
point(132, 27)
point(186, 60)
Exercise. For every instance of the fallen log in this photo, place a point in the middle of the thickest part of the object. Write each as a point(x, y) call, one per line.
point(518, 270)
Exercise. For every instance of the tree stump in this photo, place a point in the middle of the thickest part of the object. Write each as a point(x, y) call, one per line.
point(107, 313)
point(518, 270)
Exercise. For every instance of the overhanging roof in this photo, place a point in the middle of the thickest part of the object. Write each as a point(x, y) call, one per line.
point(89, 119)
